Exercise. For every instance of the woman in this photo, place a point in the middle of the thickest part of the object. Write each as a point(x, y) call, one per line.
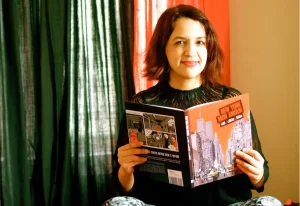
point(184, 55)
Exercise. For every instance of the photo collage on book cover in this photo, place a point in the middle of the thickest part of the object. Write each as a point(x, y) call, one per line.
point(154, 130)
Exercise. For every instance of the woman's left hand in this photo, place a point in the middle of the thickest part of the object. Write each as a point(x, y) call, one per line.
point(251, 163)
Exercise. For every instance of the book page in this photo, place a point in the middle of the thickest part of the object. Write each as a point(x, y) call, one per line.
point(216, 131)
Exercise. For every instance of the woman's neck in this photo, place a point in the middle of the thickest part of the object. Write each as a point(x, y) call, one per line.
point(184, 84)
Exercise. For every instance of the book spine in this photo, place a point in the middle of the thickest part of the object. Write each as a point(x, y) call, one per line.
point(190, 153)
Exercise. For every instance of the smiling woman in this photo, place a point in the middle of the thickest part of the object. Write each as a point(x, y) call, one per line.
point(146, 14)
point(189, 38)
point(185, 57)
point(186, 53)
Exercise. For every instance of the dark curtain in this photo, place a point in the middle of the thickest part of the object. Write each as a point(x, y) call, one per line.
point(127, 16)
point(63, 66)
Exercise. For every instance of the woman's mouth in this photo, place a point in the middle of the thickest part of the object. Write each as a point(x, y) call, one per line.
point(190, 63)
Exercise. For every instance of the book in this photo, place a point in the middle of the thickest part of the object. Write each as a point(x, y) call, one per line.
point(190, 147)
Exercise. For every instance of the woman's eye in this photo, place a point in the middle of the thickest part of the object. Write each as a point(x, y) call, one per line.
point(200, 43)
point(179, 42)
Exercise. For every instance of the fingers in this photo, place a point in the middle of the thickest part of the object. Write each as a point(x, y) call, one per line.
point(132, 163)
point(129, 155)
point(251, 163)
point(130, 145)
point(246, 167)
point(126, 160)
point(255, 174)
point(253, 153)
point(132, 149)
point(250, 160)
point(251, 156)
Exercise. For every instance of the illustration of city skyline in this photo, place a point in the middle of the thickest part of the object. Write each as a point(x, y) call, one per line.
point(210, 161)
point(238, 138)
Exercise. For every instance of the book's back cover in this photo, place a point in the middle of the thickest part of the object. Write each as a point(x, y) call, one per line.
point(216, 131)
point(163, 132)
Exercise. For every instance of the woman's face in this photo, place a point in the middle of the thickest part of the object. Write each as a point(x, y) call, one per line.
point(186, 50)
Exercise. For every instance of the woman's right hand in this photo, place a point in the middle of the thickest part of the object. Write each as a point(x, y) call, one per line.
point(128, 157)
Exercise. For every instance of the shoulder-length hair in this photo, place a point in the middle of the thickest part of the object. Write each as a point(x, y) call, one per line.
point(156, 62)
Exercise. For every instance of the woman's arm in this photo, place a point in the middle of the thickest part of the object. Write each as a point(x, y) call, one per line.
point(126, 157)
point(252, 161)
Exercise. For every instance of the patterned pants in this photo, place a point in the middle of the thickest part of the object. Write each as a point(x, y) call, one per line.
point(131, 201)
point(260, 201)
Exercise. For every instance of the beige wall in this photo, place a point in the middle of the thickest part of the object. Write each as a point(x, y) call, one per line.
point(264, 41)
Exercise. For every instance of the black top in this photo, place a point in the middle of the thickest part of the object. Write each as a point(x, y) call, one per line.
point(221, 192)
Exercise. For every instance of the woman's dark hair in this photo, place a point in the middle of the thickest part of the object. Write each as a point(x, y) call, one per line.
point(156, 61)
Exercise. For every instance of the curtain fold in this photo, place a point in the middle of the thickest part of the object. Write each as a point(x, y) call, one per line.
point(127, 28)
point(146, 14)
point(61, 98)
point(17, 121)
point(218, 14)
point(96, 98)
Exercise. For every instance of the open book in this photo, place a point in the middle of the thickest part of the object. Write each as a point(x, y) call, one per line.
point(191, 147)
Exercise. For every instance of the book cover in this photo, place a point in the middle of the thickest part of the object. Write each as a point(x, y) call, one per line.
point(190, 147)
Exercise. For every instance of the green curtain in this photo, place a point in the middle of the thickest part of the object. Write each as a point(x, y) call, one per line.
point(61, 98)
point(17, 103)
point(127, 29)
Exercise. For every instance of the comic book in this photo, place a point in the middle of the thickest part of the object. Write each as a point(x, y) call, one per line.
point(190, 147)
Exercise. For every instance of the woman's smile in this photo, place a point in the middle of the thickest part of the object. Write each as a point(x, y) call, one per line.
point(190, 63)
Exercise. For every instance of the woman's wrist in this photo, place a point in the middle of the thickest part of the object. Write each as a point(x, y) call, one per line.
point(126, 180)
point(260, 183)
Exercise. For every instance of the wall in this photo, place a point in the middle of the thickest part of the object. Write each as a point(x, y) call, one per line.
point(264, 42)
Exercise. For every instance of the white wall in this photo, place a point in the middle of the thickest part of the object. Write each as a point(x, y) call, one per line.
point(264, 41)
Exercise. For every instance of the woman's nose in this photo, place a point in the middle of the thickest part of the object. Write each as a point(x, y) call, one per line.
point(190, 49)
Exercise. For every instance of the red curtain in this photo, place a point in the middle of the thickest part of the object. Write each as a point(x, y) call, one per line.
point(146, 13)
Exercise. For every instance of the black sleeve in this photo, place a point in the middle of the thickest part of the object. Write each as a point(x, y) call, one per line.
point(122, 140)
point(117, 188)
point(257, 147)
